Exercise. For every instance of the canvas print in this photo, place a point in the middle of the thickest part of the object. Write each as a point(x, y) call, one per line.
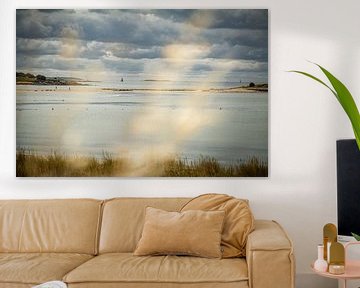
point(159, 93)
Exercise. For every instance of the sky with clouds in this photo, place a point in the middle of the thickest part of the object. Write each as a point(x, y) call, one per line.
point(225, 45)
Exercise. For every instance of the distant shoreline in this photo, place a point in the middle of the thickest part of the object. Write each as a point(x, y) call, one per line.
point(238, 89)
point(52, 83)
point(31, 79)
point(41, 80)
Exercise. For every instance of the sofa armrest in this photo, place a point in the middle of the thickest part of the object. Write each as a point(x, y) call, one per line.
point(269, 256)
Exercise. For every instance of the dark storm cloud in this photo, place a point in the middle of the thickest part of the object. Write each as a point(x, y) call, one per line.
point(29, 26)
point(202, 67)
point(253, 19)
point(252, 67)
point(37, 47)
point(126, 29)
point(226, 51)
point(114, 26)
point(141, 27)
point(174, 15)
point(100, 11)
point(122, 40)
point(243, 37)
point(50, 62)
point(220, 18)
point(55, 10)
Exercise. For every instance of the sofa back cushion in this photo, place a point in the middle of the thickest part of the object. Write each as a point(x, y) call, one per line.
point(123, 220)
point(238, 224)
point(66, 226)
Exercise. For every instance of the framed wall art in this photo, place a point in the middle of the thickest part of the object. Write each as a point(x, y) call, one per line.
point(160, 93)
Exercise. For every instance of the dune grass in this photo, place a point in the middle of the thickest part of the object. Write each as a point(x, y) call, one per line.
point(210, 167)
point(29, 164)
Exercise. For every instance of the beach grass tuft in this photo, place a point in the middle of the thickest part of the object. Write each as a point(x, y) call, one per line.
point(210, 167)
point(29, 164)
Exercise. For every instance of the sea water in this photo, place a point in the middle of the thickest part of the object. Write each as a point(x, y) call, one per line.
point(90, 121)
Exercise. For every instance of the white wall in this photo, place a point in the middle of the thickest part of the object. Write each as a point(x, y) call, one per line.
point(305, 120)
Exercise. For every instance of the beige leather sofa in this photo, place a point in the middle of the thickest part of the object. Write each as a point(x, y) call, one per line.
point(89, 243)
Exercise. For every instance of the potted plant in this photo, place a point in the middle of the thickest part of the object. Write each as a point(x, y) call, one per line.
point(344, 97)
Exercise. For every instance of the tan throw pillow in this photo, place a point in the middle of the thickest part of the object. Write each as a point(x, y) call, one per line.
point(239, 220)
point(196, 233)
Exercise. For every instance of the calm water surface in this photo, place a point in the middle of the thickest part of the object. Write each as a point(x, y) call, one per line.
point(91, 121)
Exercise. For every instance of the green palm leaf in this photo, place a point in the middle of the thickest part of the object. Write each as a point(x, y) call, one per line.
point(357, 237)
point(344, 97)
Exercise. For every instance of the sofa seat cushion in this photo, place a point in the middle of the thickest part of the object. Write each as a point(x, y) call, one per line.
point(127, 268)
point(36, 268)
